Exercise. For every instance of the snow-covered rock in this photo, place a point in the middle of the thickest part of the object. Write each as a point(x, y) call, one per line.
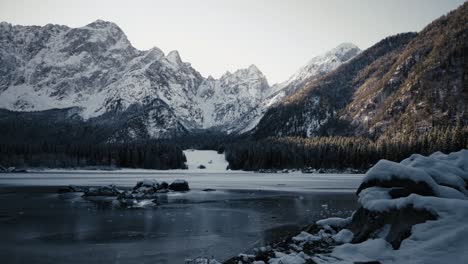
point(344, 236)
point(418, 206)
point(414, 211)
point(306, 237)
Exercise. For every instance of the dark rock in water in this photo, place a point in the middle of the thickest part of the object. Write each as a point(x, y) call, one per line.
point(308, 170)
point(366, 224)
point(268, 171)
point(109, 190)
point(134, 195)
point(146, 184)
point(146, 189)
point(143, 190)
point(13, 170)
point(2, 169)
point(163, 185)
point(126, 203)
point(208, 190)
point(150, 186)
point(201, 166)
point(72, 189)
point(179, 186)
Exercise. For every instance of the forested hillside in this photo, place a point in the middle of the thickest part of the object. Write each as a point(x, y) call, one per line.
point(408, 83)
point(148, 155)
point(340, 152)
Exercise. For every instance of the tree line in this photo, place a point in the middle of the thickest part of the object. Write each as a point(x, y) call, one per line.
point(340, 152)
point(148, 155)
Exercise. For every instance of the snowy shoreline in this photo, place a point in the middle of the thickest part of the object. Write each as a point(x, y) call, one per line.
point(410, 212)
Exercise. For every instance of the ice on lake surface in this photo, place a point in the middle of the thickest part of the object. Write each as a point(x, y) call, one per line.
point(197, 180)
point(247, 210)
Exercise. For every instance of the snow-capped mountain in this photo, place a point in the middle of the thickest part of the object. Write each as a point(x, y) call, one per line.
point(406, 84)
point(314, 69)
point(96, 69)
point(319, 66)
point(227, 100)
point(143, 94)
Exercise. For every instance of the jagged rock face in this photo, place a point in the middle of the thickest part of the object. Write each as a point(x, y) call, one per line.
point(95, 68)
point(226, 101)
point(139, 94)
point(317, 67)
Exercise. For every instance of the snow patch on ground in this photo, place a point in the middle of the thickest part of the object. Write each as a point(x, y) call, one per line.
point(213, 161)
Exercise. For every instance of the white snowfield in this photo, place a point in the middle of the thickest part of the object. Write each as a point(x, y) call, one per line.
point(444, 240)
point(212, 161)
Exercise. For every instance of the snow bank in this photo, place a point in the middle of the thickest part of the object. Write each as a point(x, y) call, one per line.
point(414, 211)
point(392, 197)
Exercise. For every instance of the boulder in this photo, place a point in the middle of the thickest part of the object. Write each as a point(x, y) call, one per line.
point(201, 166)
point(72, 189)
point(179, 186)
point(146, 184)
point(396, 196)
point(110, 190)
point(367, 224)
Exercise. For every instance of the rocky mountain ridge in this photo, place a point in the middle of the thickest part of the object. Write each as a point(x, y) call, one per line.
point(141, 94)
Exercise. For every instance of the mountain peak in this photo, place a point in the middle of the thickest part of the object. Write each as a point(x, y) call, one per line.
point(346, 45)
point(174, 57)
point(343, 52)
point(253, 69)
point(99, 24)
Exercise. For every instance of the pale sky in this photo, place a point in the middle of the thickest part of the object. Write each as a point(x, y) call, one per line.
point(220, 35)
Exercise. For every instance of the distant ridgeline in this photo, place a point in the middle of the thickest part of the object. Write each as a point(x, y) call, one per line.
point(406, 94)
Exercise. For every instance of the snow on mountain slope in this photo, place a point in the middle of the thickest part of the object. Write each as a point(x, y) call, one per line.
point(96, 69)
point(314, 69)
point(225, 101)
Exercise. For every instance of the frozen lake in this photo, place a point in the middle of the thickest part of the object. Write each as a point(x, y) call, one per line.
point(196, 179)
point(247, 210)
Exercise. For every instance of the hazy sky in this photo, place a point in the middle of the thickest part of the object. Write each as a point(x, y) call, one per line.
point(220, 35)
